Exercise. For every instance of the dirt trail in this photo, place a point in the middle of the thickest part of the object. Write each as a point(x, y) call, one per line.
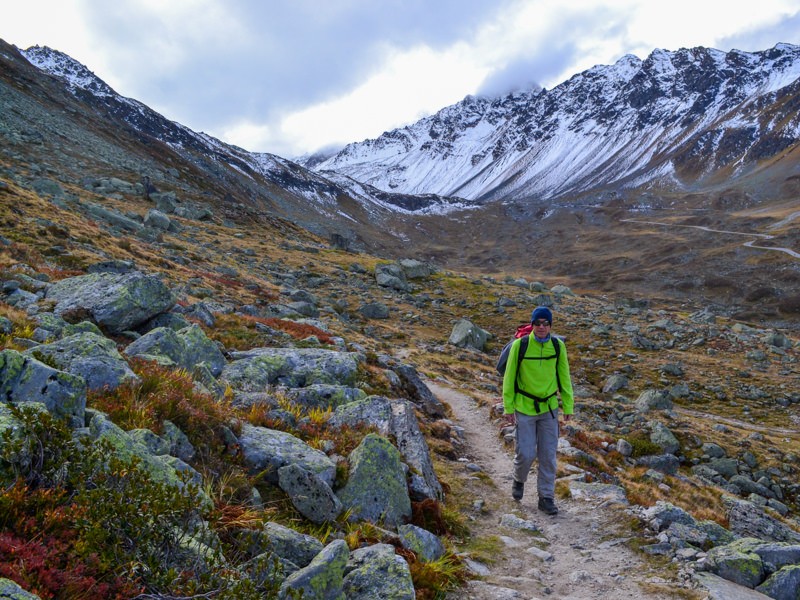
point(588, 558)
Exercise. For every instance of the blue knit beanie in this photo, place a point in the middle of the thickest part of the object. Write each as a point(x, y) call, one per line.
point(542, 312)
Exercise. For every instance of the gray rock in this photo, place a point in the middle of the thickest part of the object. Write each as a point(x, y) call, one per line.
point(178, 443)
point(268, 450)
point(165, 201)
point(288, 544)
point(422, 542)
point(116, 302)
point(322, 579)
point(155, 445)
point(324, 395)
point(374, 310)
point(722, 589)
point(396, 419)
point(737, 562)
point(93, 357)
point(254, 370)
point(415, 269)
point(727, 467)
point(377, 573)
point(467, 334)
point(25, 379)
point(514, 522)
point(663, 514)
point(653, 400)
point(608, 493)
point(376, 490)
point(664, 438)
point(748, 486)
point(747, 519)
point(783, 584)
point(310, 495)
point(419, 393)
point(615, 383)
point(10, 590)
point(157, 220)
point(713, 450)
point(185, 348)
point(391, 276)
point(665, 463)
point(624, 447)
point(112, 217)
point(111, 266)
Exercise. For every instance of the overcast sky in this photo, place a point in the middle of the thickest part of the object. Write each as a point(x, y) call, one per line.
point(295, 76)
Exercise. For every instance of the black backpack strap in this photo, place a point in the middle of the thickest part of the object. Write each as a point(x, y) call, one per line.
point(523, 347)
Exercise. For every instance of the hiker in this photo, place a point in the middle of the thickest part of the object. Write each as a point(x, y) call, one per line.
point(531, 386)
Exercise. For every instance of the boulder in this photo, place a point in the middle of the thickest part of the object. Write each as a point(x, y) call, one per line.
point(310, 495)
point(256, 369)
point(747, 519)
point(391, 276)
point(467, 334)
point(783, 584)
point(415, 269)
point(737, 562)
point(422, 542)
point(662, 437)
point(653, 400)
point(396, 418)
point(185, 348)
point(419, 393)
point(269, 449)
point(93, 357)
point(287, 544)
point(325, 395)
point(25, 379)
point(374, 310)
point(322, 579)
point(115, 301)
point(376, 490)
point(156, 219)
point(378, 573)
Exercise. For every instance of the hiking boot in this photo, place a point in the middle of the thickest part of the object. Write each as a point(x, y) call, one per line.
point(517, 488)
point(547, 506)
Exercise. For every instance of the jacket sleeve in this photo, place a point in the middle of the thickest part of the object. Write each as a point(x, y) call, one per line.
point(564, 378)
point(509, 377)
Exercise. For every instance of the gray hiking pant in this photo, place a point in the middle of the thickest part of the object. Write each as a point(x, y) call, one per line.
point(537, 438)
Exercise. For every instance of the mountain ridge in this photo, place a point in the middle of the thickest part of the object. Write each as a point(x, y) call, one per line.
point(636, 123)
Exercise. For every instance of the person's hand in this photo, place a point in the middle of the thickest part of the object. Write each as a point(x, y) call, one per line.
point(509, 420)
point(566, 418)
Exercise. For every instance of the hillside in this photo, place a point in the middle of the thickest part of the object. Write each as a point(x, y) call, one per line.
point(197, 390)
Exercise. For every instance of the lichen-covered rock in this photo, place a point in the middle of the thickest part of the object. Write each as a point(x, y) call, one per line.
point(737, 562)
point(325, 395)
point(115, 301)
point(396, 418)
point(376, 490)
point(267, 450)
point(467, 334)
point(783, 584)
point(662, 437)
point(310, 495)
point(185, 348)
point(25, 379)
point(377, 573)
point(422, 542)
point(289, 545)
point(256, 369)
point(10, 590)
point(160, 469)
point(93, 357)
point(322, 578)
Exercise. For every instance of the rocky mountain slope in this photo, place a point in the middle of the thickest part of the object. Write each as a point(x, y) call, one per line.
point(684, 121)
point(201, 397)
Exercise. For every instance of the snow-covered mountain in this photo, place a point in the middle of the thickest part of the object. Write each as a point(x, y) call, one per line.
point(674, 121)
point(320, 191)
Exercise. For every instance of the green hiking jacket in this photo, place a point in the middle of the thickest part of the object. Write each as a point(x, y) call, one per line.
point(537, 377)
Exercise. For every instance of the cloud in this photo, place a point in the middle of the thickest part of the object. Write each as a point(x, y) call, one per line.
point(782, 29)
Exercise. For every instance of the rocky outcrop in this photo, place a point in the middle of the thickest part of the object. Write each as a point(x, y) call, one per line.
point(256, 369)
point(466, 334)
point(376, 489)
point(92, 357)
point(377, 573)
point(186, 348)
point(115, 301)
point(267, 450)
